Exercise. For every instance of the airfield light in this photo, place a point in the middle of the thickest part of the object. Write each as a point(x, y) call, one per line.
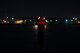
point(25, 20)
point(73, 17)
point(71, 20)
point(12, 18)
point(7, 17)
point(66, 20)
point(30, 20)
point(56, 20)
point(46, 21)
point(50, 20)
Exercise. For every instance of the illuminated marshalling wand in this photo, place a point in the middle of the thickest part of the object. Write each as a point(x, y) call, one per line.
point(40, 25)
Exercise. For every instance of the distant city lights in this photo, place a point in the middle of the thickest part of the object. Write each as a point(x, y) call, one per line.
point(15, 20)
point(19, 22)
point(5, 22)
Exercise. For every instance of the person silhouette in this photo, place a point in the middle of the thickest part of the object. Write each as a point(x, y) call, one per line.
point(41, 31)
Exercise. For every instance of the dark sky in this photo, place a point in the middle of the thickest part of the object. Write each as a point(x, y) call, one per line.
point(38, 7)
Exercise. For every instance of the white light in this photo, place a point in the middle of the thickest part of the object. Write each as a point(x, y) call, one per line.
point(12, 18)
point(75, 18)
point(4, 21)
point(79, 22)
point(7, 17)
point(56, 20)
point(30, 20)
point(39, 17)
point(71, 20)
point(36, 27)
point(45, 26)
point(50, 20)
point(46, 20)
point(66, 20)
point(43, 18)
point(25, 20)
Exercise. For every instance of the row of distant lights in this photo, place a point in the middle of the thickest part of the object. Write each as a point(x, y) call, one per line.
point(65, 20)
point(57, 20)
point(51, 20)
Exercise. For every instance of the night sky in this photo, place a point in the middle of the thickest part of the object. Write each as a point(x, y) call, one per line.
point(39, 8)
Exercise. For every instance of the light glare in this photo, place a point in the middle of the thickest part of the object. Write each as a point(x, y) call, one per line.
point(19, 22)
point(79, 22)
point(36, 27)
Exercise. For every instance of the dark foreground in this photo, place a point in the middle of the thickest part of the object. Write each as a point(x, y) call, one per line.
point(23, 39)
